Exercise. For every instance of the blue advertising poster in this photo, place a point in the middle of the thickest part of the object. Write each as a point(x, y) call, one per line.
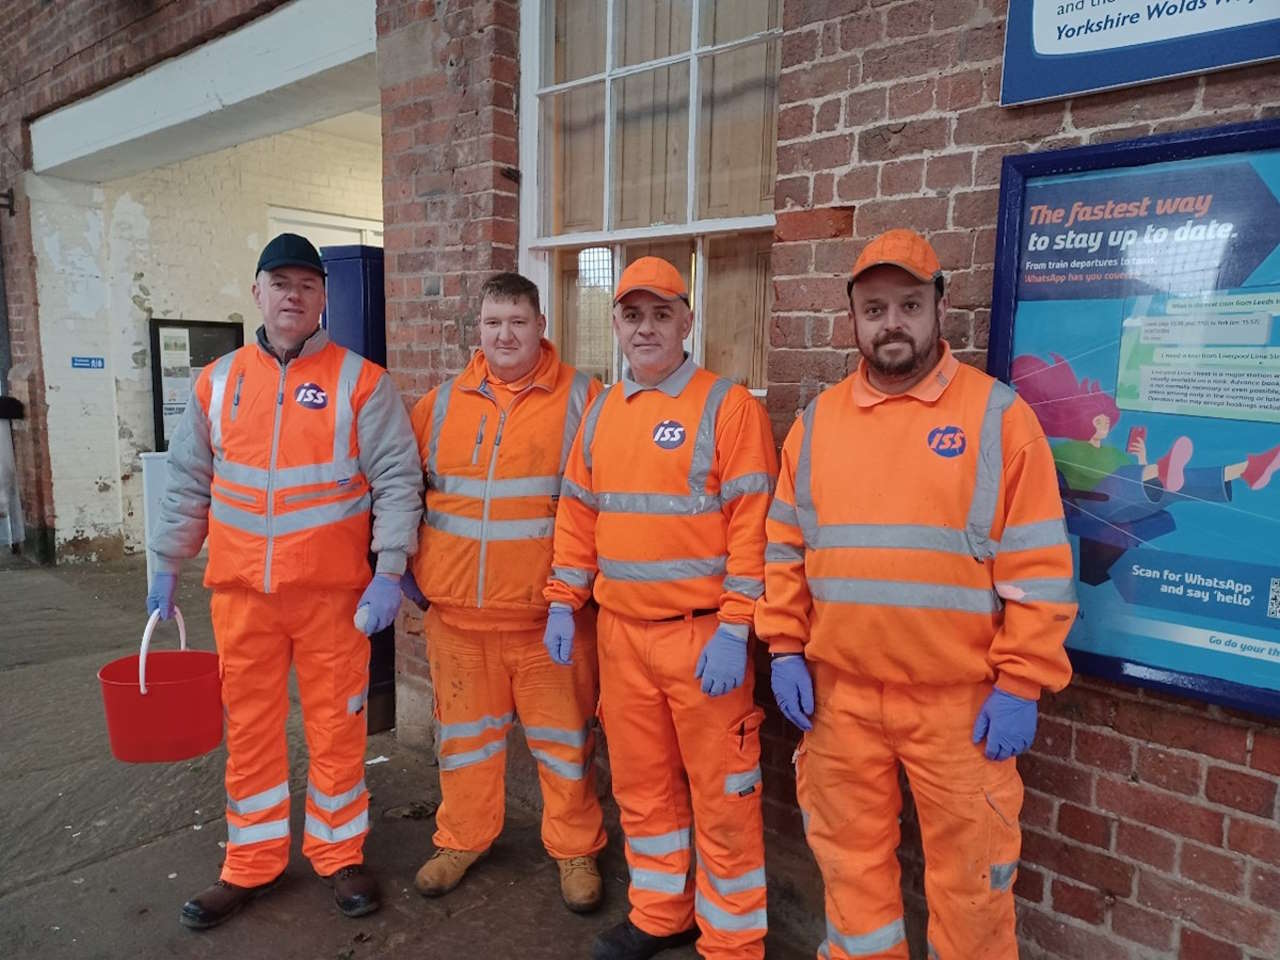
point(1146, 336)
point(1060, 48)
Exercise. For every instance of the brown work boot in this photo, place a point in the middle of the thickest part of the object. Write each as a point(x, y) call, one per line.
point(580, 884)
point(355, 890)
point(445, 870)
point(216, 903)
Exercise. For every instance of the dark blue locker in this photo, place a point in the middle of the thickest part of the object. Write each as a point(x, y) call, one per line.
point(356, 313)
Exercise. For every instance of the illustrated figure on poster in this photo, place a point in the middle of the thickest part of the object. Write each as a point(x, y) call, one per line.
point(1116, 499)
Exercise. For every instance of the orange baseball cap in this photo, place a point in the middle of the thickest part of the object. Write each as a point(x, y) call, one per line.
point(655, 275)
point(901, 248)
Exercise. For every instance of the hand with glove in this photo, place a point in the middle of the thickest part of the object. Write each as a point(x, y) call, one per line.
point(160, 594)
point(1008, 723)
point(793, 689)
point(409, 587)
point(723, 663)
point(379, 604)
point(558, 635)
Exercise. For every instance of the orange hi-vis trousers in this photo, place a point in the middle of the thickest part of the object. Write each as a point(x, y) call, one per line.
point(483, 681)
point(258, 635)
point(968, 807)
point(682, 759)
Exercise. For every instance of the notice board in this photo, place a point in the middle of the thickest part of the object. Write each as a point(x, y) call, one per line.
point(180, 349)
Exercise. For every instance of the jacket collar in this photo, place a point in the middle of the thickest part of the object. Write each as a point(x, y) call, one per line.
point(308, 348)
point(928, 390)
point(545, 374)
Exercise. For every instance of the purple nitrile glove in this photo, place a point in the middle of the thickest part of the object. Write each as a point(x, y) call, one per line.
point(379, 604)
point(160, 594)
point(723, 662)
point(409, 587)
point(793, 689)
point(558, 635)
point(1008, 723)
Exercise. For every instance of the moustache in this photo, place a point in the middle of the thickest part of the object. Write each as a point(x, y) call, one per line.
point(892, 338)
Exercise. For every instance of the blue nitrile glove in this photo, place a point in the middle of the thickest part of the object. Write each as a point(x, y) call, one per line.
point(793, 689)
point(160, 595)
point(723, 662)
point(378, 605)
point(558, 635)
point(1008, 723)
point(409, 587)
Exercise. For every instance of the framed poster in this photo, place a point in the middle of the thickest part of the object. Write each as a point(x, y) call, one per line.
point(1061, 48)
point(1137, 309)
point(180, 349)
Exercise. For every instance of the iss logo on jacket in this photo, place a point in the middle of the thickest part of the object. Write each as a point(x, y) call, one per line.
point(947, 441)
point(311, 396)
point(669, 434)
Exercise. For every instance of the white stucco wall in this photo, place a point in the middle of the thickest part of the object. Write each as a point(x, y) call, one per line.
point(177, 242)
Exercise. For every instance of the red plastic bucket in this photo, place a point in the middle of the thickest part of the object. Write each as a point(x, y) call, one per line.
point(163, 706)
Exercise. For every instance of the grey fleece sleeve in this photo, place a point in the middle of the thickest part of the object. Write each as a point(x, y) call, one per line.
point(389, 460)
point(180, 529)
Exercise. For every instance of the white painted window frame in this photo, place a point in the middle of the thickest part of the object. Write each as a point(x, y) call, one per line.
point(536, 251)
point(371, 231)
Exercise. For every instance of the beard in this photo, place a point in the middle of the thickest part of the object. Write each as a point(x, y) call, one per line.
point(910, 361)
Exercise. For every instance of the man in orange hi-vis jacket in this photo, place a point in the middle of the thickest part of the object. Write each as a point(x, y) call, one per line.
point(493, 442)
point(295, 456)
point(663, 507)
point(918, 564)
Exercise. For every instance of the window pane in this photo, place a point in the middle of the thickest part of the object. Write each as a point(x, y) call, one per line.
point(574, 45)
point(735, 313)
point(651, 153)
point(736, 131)
point(650, 29)
point(584, 297)
point(725, 20)
point(573, 160)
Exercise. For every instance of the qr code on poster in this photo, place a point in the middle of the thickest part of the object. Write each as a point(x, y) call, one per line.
point(1273, 599)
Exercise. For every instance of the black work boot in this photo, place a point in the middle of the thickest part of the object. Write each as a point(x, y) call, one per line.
point(626, 941)
point(354, 890)
point(216, 903)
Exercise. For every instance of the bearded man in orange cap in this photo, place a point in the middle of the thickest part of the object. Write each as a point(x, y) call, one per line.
point(918, 565)
point(662, 512)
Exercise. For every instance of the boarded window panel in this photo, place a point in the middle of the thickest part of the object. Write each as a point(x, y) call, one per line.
point(737, 131)
point(584, 291)
point(732, 19)
point(736, 311)
point(650, 29)
point(651, 154)
point(574, 47)
point(573, 156)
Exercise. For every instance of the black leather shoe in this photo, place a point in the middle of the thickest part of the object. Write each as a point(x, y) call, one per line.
point(626, 941)
point(354, 890)
point(213, 905)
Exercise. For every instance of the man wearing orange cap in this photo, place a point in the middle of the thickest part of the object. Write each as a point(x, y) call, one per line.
point(662, 509)
point(918, 565)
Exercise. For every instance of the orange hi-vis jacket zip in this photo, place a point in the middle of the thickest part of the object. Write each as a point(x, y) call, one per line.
point(493, 478)
point(664, 498)
point(283, 464)
point(919, 538)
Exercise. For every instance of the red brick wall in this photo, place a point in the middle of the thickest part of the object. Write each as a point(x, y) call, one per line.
point(1150, 823)
point(448, 75)
point(50, 55)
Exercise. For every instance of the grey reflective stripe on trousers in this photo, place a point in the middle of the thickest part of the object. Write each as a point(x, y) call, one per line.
point(1032, 536)
point(469, 759)
point(659, 571)
point(863, 945)
point(737, 783)
point(722, 919)
point(573, 415)
point(561, 768)
point(352, 828)
point(1002, 875)
point(329, 802)
point(294, 521)
point(986, 487)
point(258, 832)
point(217, 393)
point(570, 738)
point(473, 728)
point(659, 881)
point(472, 528)
point(904, 593)
point(661, 844)
point(728, 886)
point(259, 801)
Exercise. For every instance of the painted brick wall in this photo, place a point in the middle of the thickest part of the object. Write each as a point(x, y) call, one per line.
point(50, 55)
point(1151, 823)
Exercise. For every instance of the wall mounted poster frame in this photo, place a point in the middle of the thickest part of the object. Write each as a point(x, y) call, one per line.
point(180, 349)
point(1136, 307)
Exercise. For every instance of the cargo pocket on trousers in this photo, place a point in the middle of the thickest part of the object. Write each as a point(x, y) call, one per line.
point(1003, 806)
point(742, 758)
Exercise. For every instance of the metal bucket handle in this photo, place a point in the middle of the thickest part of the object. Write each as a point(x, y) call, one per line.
point(146, 642)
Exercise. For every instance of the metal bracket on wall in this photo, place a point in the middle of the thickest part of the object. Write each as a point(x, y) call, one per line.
point(7, 202)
